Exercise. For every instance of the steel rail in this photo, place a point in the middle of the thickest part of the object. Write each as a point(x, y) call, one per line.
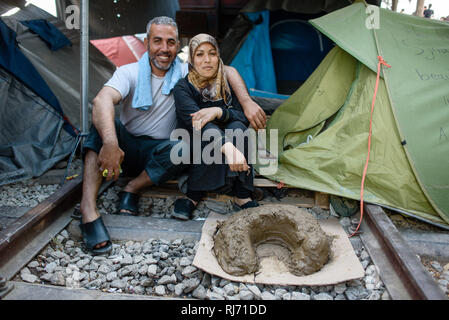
point(400, 269)
point(19, 234)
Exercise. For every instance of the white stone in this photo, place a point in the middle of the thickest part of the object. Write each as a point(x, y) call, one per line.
point(375, 295)
point(104, 269)
point(46, 277)
point(143, 270)
point(287, 296)
point(184, 262)
point(179, 289)
point(219, 291)
point(152, 270)
point(340, 288)
point(437, 266)
point(177, 242)
point(25, 270)
point(213, 296)
point(268, 296)
point(127, 260)
point(69, 243)
point(51, 267)
point(28, 277)
point(167, 279)
point(229, 289)
point(364, 255)
point(246, 295)
point(82, 263)
point(279, 293)
point(137, 259)
point(323, 296)
point(150, 261)
point(164, 255)
point(255, 290)
point(33, 264)
point(190, 284)
point(371, 270)
point(199, 293)
point(119, 284)
point(300, 296)
point(58, 279)
point(76, 275)
point(187, 271)
point(64, 233)
point(111, 276)
point(58, 254)
point(159, 290)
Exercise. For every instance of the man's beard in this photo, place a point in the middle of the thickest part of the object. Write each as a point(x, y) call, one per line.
point(157, 65)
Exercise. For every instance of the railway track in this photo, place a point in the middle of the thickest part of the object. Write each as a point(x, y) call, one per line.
point(399, 268)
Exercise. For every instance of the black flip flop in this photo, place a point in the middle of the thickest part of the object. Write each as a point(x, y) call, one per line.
point(183, 209)
point(249, 204)
point(94, 233)
point(128, 201)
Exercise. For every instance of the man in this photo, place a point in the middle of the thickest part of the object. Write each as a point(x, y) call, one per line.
point(428, 13)
point(139, 143)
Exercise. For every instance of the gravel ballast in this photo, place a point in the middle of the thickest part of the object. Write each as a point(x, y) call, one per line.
point(163, 268)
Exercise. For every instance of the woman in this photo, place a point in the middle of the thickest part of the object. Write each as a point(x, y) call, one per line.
point(205, 103)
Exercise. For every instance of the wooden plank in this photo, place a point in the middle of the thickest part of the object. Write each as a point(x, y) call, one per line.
point(258, 182)
point(303, 201)
point(321, 199)
point(312, 199)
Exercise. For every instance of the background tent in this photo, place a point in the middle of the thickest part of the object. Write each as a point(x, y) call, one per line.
point(33, 137)
point(408, 168)
point(121, 50)
point(273, 46)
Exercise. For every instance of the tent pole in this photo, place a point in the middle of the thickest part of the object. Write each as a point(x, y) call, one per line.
point(84, 68)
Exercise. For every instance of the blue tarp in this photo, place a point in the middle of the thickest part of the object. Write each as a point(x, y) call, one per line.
point(266, 94)
point(297, 49)
point(15, 62)
point(54, 38)
point(289, 50)
point(254, 61)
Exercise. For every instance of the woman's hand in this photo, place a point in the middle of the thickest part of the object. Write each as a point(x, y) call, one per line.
point(205, 115)
point(235, 159)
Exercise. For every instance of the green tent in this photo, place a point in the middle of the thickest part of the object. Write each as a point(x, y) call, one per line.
point(323, 127)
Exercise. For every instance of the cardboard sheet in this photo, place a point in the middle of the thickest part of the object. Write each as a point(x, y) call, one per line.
point(342, 266)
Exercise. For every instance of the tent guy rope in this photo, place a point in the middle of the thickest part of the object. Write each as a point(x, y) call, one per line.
point(379, 64)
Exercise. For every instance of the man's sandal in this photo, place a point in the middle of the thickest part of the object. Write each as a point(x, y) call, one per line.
point(128, 201)
point(95, 233)
point(183, 209)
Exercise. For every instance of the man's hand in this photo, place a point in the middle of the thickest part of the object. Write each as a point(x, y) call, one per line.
point(205, 115)
point(235, 159)
point(110, 158)
point(255, 114)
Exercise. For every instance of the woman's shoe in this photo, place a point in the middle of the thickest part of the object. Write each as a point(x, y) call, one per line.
point(183, 209)
point(249, 204)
